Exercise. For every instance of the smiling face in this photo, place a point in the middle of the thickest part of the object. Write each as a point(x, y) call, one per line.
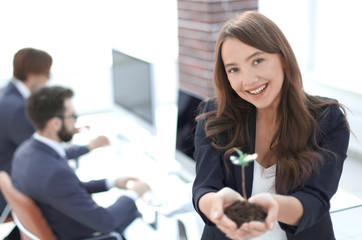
point(256, 76)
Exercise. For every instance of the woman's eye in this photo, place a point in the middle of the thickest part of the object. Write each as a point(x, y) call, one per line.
point(232, 70)
point(257, 61)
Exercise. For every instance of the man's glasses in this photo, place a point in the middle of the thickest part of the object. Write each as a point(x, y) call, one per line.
point(74, 116)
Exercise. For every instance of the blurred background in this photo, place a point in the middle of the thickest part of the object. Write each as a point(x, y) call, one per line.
point(178, 37)
point(80, 35)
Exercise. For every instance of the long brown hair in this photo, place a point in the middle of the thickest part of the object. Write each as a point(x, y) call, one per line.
point(294, 145)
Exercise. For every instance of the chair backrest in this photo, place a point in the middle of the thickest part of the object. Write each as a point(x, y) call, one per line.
point(26, 211)
point(5, 215)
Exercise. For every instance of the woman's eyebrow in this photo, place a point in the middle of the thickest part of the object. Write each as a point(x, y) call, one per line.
point(247, 59)
point(229, 65)
point(253, 55)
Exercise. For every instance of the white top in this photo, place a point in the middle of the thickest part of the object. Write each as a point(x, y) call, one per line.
point(264, 179)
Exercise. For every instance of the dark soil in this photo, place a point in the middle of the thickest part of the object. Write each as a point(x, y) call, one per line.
point(243, 211)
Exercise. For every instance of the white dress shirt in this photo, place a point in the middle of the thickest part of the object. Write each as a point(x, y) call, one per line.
point(56, 146)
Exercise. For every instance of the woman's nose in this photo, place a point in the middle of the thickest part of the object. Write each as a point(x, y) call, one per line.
point(248, 77)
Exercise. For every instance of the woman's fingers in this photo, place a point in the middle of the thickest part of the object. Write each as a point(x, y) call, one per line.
point(270, 205)
point(226, 223)
point(254, 228)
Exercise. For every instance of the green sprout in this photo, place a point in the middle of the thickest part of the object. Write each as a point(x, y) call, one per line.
point(243, 160)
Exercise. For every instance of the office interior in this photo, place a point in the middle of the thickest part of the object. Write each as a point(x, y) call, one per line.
point(83, 38)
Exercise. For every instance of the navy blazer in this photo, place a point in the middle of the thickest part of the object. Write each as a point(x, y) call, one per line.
point(314, 195)
point(16, 127)
point(66, 202)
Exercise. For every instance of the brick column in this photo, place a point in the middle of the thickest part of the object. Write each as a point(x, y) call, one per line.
point(199, 22)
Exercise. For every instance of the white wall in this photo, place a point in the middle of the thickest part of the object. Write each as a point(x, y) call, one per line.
point(295, 19)
point(338, 44)
point(80, 36)
point(326, 37)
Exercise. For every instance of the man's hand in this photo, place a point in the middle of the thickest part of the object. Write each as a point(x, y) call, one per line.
point(79, 129)
point(100, 141)
point(134, 184)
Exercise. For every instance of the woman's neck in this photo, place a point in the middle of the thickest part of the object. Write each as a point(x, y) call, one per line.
point(268, 116)
point(267, 125)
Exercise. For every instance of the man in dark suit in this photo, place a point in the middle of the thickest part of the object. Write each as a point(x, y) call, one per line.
point(31, 70)
point(40, 170)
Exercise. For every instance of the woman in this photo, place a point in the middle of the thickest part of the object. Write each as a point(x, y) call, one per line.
point(261, 107)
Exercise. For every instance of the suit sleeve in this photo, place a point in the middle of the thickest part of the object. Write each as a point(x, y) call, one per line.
point(72, 199)
point(74, 151)
point(95, 186)
point(316, 193)
point(209, 167)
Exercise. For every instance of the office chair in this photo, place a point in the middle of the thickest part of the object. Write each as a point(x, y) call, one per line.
point(5, 217)
point(28, 217)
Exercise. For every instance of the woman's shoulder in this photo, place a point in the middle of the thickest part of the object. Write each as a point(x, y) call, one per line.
point(320, 100)
point(328, 112)
point(209, 105)
point(322, 106)
point(207, 109)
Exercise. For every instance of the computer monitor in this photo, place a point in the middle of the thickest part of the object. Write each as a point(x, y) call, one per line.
point(188, 107)
point(133, 87)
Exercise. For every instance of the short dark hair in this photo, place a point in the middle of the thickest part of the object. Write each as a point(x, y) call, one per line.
point(30, 60)
point(46, 103)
